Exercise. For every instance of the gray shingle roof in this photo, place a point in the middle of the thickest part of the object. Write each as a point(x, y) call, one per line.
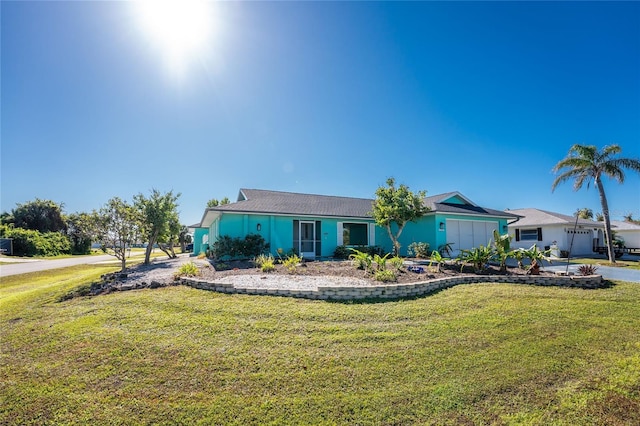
point(537, 217)
point(276, 202)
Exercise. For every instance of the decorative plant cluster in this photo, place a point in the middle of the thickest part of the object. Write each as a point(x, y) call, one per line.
point(267, 263)
point(500, 251)
point(587, 269)
point(344, 252)
point(239, 248)
point(376, 265)
point(418, 250)
point(188, 269)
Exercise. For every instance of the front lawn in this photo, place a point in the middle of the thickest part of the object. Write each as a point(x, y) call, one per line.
point(473, 354)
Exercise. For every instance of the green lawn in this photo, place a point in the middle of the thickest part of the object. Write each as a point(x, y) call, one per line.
point(473, 354)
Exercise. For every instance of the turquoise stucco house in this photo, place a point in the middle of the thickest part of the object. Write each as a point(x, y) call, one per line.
point(314, 225)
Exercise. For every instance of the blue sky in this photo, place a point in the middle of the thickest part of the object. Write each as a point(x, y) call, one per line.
point(318, 97)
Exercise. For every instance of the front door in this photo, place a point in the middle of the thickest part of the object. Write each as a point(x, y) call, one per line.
point(307, 239)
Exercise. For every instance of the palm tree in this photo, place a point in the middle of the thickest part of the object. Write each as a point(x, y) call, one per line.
point(584, 163)
point(585, 213)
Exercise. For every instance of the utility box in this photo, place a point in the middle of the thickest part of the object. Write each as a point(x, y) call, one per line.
point(6, 246)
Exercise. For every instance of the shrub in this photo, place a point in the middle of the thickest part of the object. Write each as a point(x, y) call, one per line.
point(268, 265)
point(188, 269)
point(397, 262)
point(261, 259)
point(27, 242)
point(234, 248)
point(380, 261)
point(419, 250)
point(341, 252)
point(385, 275)
point(587, 269)
point(292, 262)
point(477, 256)
point(361, 260)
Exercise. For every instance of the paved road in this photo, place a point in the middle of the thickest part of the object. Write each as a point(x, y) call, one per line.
point(37, 265)
point(607, 272)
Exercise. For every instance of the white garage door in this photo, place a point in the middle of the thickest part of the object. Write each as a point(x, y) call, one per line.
point(582, 241)
point(467, 234)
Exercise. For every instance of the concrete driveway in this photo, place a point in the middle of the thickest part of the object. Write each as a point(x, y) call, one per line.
point(607, 272)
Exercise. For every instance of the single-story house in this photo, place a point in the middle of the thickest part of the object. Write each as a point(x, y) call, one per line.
point(314, 225)
point(545, 228)
point(627, 231)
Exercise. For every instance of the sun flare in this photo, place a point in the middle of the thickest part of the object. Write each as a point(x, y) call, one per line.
point(180, 29)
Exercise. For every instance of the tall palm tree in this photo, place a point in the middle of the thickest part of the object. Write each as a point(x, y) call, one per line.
point(584, 163)
point(585, 213)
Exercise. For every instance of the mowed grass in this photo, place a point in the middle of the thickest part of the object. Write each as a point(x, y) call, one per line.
point(472, 354)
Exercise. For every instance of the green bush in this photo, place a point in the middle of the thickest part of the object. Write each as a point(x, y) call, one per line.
point(397, 262)
point(268, 265)
point(292, 262)
point(385, 275)
point(419, 250)
point(189, 269)
point(261, 259)
point(28, 242)
point(239, 248)
point(341, 252)
point(361, 260)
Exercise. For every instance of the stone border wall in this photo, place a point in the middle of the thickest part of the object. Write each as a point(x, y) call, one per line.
point(396, 291)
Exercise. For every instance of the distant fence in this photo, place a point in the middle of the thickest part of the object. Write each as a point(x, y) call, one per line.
point(6, 246)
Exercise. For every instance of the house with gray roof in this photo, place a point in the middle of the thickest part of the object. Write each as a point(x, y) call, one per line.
point(314, 225)
point(629, 232)
point(547, 229)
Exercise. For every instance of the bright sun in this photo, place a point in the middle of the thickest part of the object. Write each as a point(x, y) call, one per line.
point(180, 29)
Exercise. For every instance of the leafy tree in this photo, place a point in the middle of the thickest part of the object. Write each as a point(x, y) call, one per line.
point(158, 212)
point(80, 230)
point(214, 202)
point(585, 213)
point(397, 205)
point(584, 163)
point(168, 240)
point(629, 218)
point(599, 217)
point(39, 215)
point(117, 226)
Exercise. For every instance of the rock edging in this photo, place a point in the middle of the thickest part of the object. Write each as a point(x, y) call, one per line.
point(397, 291)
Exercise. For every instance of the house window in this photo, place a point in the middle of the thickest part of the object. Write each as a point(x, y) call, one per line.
point(355, 234)
point(529, 235)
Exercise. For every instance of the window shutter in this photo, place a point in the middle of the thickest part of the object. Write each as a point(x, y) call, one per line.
point(318, 238)
point(340, 236)
point(539, 234)
point(372, 234)
point(517, 234)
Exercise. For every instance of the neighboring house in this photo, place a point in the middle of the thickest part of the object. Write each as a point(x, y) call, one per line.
point(627, 231)
point(543, 228)
point(314, 225)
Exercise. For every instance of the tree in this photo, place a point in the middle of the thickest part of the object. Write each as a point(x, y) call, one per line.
point(117, 226)
point(214, 202)
point(599, 217)
point(157, 212)
point(184, 237)
point(585, 213)
point(80, 229)
point(397, 205)
point(39, 215)
point(584, 163)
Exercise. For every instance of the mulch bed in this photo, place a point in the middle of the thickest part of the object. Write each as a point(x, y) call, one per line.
point(344, 268)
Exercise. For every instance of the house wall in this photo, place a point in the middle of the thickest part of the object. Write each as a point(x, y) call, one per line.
point(631, 237)
point(562, 235)
point(200, 240)
point(279, 233)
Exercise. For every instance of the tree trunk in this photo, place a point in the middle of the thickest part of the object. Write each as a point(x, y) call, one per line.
point(147, 253)
point(607, 221)
point(394, 239)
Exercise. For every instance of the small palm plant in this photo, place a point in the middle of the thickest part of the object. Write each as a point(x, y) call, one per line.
point(477, 256)
point(502, 247)
point(536, 256)
point(436, 258)
point(361, 260)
